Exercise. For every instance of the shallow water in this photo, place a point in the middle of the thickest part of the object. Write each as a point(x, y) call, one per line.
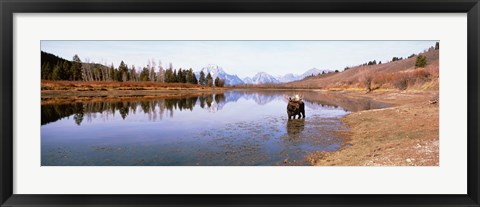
point(240, 127)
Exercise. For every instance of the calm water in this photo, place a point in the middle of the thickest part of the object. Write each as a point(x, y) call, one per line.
point(233, 128)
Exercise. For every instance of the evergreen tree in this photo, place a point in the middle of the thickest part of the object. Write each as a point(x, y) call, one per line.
point(46, 71)
point(194, 79)
point(209, 80)
point(175, 76)
point(184, 76)
point(217, 81)
point(180, 76)
point(64, 71)
point(112, 73)
point(421, 61)
point(144, 74)
point(122, 72)
point(188, 76)
point(202, 80)
point(56, 73)
point(168, 75)
point(437, 45)
point(76, 69)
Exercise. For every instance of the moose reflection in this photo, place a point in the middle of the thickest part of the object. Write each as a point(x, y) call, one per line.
point(295, 127)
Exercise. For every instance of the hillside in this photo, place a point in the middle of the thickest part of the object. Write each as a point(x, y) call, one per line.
point(400, 74)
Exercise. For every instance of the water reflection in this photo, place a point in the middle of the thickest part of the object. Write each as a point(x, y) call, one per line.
point(241, 127)
point(158, 108)
point(295, 127)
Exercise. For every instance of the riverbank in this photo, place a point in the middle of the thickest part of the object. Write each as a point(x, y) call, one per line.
point(58, 92)
point(406, 134)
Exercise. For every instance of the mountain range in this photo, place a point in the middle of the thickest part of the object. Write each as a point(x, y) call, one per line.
point(217, 71)
point(294, 77)
point(263, 77)
point(259, 78)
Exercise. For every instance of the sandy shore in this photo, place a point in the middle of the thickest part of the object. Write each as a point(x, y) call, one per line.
point(406, 134)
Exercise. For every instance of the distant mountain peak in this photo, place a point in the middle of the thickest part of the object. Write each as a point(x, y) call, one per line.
point(262, 77)
point(217, 71)
point(289, 77)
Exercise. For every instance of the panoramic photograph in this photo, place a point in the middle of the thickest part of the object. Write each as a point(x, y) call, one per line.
point(239, 103)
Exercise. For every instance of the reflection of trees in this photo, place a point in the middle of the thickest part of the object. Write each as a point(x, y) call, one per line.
point(51, 113)
point(155, 109)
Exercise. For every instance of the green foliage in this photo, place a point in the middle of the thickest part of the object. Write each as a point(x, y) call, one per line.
point(144, 74)
point(112, 72)
point(182, 76)
point(421, 61)
point(209, 80)
point(168, 75)
point(175, 76)
point(56, 73)
point(190, 77)
point(202, 80)
point(219, 82)
point(46, 71)
point(374, 62)
point(122, 72)
point(396, 59)
point(76, 68)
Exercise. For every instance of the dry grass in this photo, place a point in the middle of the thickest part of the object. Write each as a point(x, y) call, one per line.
point(398, 75)
point(404, 135)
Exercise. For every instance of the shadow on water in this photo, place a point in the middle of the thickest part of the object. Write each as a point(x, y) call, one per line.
point(241, 127)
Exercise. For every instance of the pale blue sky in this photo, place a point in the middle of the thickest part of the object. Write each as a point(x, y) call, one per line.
point(243, 58)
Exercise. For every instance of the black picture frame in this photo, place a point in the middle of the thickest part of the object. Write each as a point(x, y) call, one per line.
point(10, 7)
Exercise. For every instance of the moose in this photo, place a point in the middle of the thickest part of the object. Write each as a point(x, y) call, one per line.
point(295, 107)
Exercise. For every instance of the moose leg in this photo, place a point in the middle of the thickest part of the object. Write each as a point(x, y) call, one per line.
point(302, 109)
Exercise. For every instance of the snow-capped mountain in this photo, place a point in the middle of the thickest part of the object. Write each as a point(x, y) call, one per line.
point(263, 77)
point(289, 77)
point(293, 77)
point(217, 71)
point(247, 80)
point(313, 71)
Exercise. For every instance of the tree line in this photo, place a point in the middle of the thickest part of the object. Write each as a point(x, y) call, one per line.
point(56, 68)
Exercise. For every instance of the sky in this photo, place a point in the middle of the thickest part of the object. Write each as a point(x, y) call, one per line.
point(242, 58)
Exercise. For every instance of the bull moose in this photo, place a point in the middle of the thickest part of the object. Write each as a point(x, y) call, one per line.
point(295, 107)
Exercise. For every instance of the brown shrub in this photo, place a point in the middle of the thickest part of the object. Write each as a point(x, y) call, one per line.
point(401, 80)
